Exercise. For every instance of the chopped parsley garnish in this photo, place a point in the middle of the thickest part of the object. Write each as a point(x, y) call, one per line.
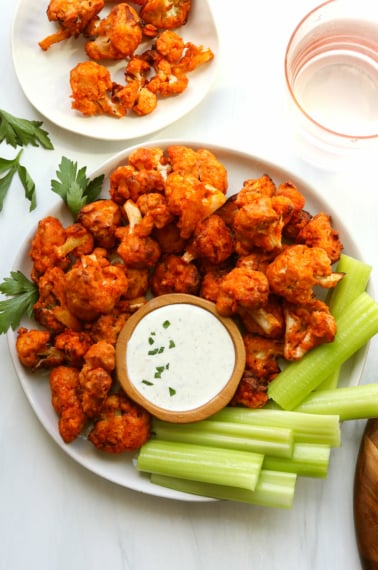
point(172, 344)
point(166, 324)
point(147, 382)
point(172, 391)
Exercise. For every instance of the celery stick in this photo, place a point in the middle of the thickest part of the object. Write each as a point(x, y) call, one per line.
point(304, 428)
point(354, 282)
point(355, 327)
point(273, 489)
point(201, 463)
point(350, 403)
point(308, 460)
point(232, 435)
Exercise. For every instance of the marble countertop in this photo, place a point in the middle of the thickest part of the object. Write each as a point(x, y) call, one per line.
point(55, 514)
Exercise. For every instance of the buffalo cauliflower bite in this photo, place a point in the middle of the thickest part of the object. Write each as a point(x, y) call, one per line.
point(95, 377)
point(73, 345)
point(262, 355)
point(165, 14)
point(169, 238)
point(252, 392)
point(44, 252)
point(297, 269)
point(145, 172)
point(255, 188)
point(94, 286)
point(259, 223)
point(101, 218)
point(92, 87)
point(107, 327)
point(211, 239)
point(73, 17)
point(137, 249)
point(318, 232)
point(122, 426)
point(267, 321)
point(173, 275)
point(210, 283)
point(79, 241)
point(51, 310)
point(170, 45)
point(35, 349)
point(65, 398)
point(116, 36)
point(307, 326)
point(242, 288)
point(191, 201)
point(154, 209)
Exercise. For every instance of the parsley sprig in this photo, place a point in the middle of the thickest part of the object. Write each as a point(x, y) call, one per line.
point(23, 295)
point(22, 132)
point(74, 187)
point(11, 167)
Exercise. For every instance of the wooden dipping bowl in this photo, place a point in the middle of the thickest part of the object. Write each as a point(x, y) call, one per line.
point(366, 497)
point(219, 399)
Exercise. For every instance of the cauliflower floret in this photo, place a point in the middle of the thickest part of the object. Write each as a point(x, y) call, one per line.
point(211, 239)
point(73, 345)
point(73, 16)
point(101, 218)
point(116, 36)
point(44, 252)
point(154, 209)
point(252, 392)
point(137, 249)
point(92, 88)
point(267, 321)
point(242, 288)
point(297, 269)
point(173, 275)
point(318, 232)
point(146, 172)
point(123, 425)
point(169, 238)
point(165, 14)
point(35, 349)
point(259, 223)
point(51, 310)
point(94, 286)
point(64, 384)
point(307, 326)
point(262, 355)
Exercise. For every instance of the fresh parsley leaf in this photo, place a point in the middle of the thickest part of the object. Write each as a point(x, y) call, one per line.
point(23, 295)
point(12, 167)
point(74, 187)
point(21, 132)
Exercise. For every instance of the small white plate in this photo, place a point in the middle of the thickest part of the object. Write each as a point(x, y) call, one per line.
point(44, 75)
point(120, 469)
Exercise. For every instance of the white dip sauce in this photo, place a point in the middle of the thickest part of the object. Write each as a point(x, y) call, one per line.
point(179, 357)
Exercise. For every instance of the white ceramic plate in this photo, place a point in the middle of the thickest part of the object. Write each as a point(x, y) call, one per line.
point(44, 75)
point(121, 469)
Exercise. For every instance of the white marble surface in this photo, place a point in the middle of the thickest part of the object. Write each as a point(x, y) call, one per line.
point(56, 515)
